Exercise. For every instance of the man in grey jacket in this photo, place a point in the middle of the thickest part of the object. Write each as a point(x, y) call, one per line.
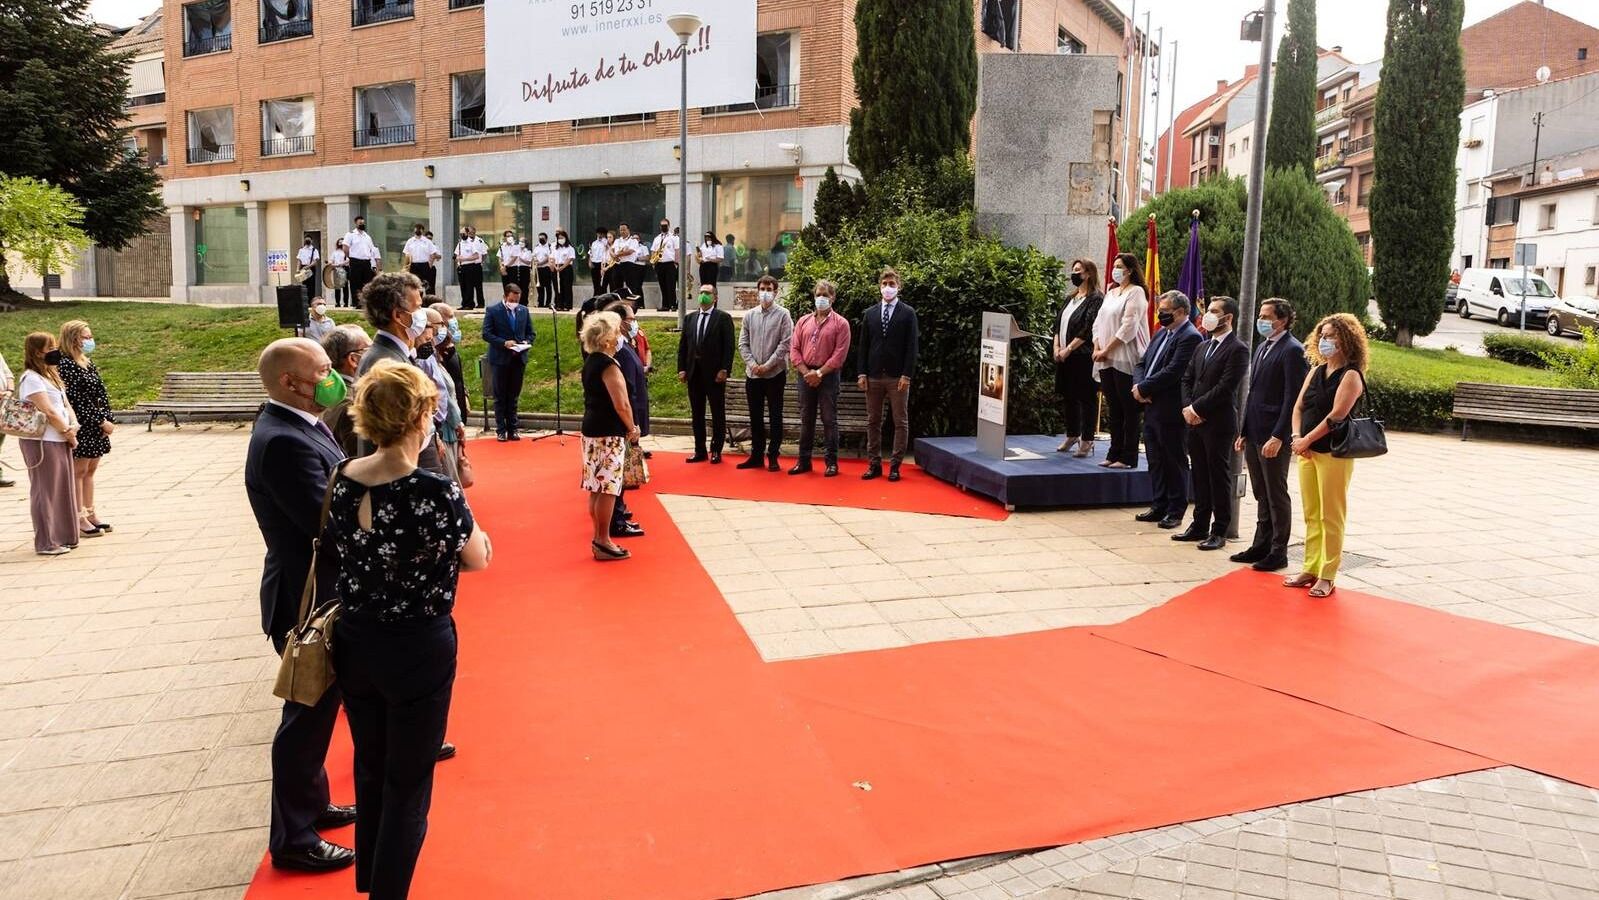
point(763, 344)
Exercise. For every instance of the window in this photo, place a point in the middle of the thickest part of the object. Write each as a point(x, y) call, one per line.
point(1582, 53)
point(221, 246)
point(1001, 22)
point(1473, 193)
point(1546, 217)
point(608, 121)
point(385, 114)
point(759, 219)
point(776, 75)
point(1588, 276)
point(389, 220)
point(146, 82)
point(284, 19)
point(1232, 150)
point(468, 116)
point(493, 213)
point(1504, 210)
point(1246, 145)
point(155, 146)
point(211, 135)
point(288, 126)
point(1065, 43)
point(207, 27)
point(463, 4)
point(371, 12)
point(639, 206)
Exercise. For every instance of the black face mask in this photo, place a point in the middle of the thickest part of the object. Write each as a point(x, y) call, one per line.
point(1077, 279)
point(1165, 318)
point(423, 351)
point(53, 358)
point(664, 228)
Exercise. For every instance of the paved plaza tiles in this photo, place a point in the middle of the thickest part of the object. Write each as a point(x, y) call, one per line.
point(135, 708)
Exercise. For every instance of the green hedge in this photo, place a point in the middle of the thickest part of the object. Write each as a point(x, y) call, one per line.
point(1524, 349)
point(1414, 389)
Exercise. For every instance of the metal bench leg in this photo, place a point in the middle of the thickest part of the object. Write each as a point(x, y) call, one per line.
point(1465, 429)
point(174, 419)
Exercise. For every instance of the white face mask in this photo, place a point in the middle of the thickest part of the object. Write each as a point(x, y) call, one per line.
point(632, 329)
point(419, 324)
point(823, 303)
point(320, 308)
point(1210, 321)
point(768, 297)
point(1118, 275)
point(889, 292)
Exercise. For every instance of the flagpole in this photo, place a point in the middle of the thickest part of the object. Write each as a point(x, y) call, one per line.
point(1127, 104)
point(1154, 162)
point(1171, 120)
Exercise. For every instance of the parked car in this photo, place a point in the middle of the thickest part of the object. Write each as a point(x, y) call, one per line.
point(1570, 316)
point(1498, 294)
point(1451, 293)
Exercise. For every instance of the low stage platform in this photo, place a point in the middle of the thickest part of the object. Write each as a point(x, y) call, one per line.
point(1033, 474)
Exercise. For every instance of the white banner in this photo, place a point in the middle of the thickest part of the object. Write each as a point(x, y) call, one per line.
point(555, 60)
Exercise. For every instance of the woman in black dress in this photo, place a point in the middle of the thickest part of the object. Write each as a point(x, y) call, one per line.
point(608, 428)
point(86, 392)
point(1074, 359)
point(402, 536)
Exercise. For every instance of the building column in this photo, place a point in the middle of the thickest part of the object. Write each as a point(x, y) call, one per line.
point(441, 216)
point(340, 216)
point(554, 197)
point(698, 216)
point(255, 239)
point(183, 267)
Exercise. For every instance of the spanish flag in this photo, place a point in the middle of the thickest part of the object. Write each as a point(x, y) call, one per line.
point(1152, 271)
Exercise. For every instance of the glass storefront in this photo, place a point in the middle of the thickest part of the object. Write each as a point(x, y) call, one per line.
point(491, 213)
point(640, 206)
point(758, 219)
point(389, 220)
point(221, 246)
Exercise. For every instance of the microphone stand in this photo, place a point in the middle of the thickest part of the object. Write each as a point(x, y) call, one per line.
point(555, 336)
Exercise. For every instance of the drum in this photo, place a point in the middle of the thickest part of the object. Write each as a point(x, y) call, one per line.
point(303, 276)
point(334, 277)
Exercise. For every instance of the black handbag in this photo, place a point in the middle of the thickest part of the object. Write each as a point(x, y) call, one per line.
point(1359, 436)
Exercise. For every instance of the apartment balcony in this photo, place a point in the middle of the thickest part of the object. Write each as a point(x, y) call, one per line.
point(200, 46)
point(463, 4)
point(1356, 146)
point(476, 126)
point(372, 14)
point(144, 100)
point(380, 137)
point(1330, 114)
point(219, 153)
point(774, 96)
point(289, 146)
point(285, 31)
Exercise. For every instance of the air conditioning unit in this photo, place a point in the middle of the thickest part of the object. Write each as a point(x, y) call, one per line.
point(1213, 140)
point(1473, 143)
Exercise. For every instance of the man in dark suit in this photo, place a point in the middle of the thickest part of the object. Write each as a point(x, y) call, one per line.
point(1276, 376)
point(393, 304)
point(504, 327)
point(1159, 387)
point(890, 337)
point(1210, 391)
point(704, 360)
point(291, 456)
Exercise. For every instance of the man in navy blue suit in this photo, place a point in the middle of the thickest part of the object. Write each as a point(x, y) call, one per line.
point(1159, 387)
point(1276, 376)
point(291, 455)
point(505, 326)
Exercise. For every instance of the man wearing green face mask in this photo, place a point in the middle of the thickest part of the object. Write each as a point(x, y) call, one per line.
point(704, 359)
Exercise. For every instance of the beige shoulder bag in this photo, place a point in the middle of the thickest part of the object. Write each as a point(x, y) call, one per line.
point(306, 672)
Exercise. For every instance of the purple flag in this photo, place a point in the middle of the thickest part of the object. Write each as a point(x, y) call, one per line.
point(1192, 281)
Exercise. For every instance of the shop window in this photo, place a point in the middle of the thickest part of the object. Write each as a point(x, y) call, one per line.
point(221, 246)
point(640, 206)
point(758, 218)
point(389, 220)
point(493, 213)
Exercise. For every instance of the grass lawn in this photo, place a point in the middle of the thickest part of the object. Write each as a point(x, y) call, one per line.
point(1447, 367)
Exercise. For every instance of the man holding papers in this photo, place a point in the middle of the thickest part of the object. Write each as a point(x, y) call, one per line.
point(508, 332)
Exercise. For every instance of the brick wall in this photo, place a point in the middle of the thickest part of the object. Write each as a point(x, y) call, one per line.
point(1505, 50)
point(143, 269)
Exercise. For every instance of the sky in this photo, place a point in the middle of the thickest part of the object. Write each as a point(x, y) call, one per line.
point(1206, 30)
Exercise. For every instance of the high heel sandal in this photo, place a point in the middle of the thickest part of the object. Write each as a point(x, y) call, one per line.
point(1084, 448)
point(91, 531)
point(1066, 445)
point(1302, 580)
point(1318, 593)
point(101, 526)
point(606, 554)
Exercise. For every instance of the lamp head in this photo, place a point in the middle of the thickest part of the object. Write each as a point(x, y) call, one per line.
point(684, 25)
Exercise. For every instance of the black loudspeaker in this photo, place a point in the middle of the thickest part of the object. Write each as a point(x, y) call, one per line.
point(294, 310)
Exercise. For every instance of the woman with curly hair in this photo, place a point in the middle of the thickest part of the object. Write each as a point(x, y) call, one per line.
point(1337, 348)
point(87, 394)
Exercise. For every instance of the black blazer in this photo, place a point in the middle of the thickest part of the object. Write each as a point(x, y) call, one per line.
point(1171, 349)
point(1274, 384)
point(1080, 324)
point(501, 325)
point(1211, 382)
point(715, 354)
point(285, 476)
point(889, 353)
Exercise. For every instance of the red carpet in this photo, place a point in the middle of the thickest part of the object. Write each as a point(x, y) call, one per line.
point(1514, 695)
point(620, 737)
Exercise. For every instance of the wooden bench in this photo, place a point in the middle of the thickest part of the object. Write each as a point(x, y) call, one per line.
point(205, 395)
point(1522, 405)
point(851, 413)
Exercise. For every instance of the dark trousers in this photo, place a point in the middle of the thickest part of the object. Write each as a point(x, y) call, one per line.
point(563, 288)
point(703, 388)
point(619, 512)
point(633, 277)
point(666, 277)
point(471, 278)
point(766, 415)
point(1274, 509)
point(360, 276)
point(522, 277)
point(1074, 382)
point(597, 274)
point(432, 279)
point(823, 397)
point(422, 271)
point(1166, 449)
point(1123, 413)
point(1210, 448)
point(397, 681)
point(710, 272)
point(507, 390)
point(341, 296)
point(546, 286)
point(299, 781)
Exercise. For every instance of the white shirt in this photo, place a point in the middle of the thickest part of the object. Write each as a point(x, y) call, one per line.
point(419, 249)
point(307, 256)
point(7, 380)
point(32, 384)
point(666, 245)
point(710, 252)
point(627, 249)
point(338, 258)
point(598, 251)
point(1066, 314)
point(1125, 315)
point(471, 250)
point(359, 246)
point(541, 254)
point(563, 255)
point(511, 255)
point(307, 417)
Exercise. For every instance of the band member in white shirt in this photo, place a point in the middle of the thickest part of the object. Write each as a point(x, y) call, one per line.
point(710, 254)
point(365, 261)
point(308, 257)
point(546, 275)
point(419, 255)
point(629, 254)
point(470, 252)
point(340, 261)
point(562, 259)
point(513, 269)
point(433, 263)
point(599, 257)
point(664, 252)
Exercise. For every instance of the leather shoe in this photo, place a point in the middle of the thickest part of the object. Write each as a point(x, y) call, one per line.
point(716, 459)
point(874, 470)
point(627, 530)
point(515, 436)
point(800, 469)
point(697, 458)
point(1169, 522)
point(1252, 555)
point(1214, 542)
point(334, 817)
point(1271, 564)
point(446, 751)
point(753, 462)
point(893, 472)
point(502, 437)
point(324, 857)
point(772, 466)
point(1191, 534)
point(1149, 515)
point(831, 471)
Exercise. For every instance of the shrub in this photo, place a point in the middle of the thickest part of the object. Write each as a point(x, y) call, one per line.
point(1414, 389)
point(1576, 367)
point(1524, 349)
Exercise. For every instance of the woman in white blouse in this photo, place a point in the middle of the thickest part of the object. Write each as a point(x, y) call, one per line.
point(339, 259)
point(1121, 334)
point(710, 255)
point(52, 491)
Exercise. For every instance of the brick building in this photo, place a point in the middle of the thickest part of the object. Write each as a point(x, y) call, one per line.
point(283, 124)
point(1505, 50)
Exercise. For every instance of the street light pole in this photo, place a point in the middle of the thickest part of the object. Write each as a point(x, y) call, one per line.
point(684, 26)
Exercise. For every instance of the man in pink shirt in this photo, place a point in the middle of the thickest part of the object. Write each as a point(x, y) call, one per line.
point(821, 344)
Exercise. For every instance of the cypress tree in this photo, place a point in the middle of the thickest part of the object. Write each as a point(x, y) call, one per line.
point(915, 80)
point(1293, 103)
point(1418, 129)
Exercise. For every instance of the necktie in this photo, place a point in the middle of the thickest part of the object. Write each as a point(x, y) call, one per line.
point(1159, 349)
point(888, 311)
point(704, 319)
point(326, 432)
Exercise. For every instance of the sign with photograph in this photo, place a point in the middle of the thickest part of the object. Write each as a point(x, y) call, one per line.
point(560, 60)
point(995, 360)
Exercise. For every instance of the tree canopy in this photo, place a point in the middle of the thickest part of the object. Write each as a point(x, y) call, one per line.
point(1292, 132)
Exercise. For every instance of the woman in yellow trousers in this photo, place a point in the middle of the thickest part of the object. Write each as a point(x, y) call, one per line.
point(1337, 347)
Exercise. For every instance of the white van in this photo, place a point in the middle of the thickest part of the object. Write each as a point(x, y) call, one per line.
point(1498, 293)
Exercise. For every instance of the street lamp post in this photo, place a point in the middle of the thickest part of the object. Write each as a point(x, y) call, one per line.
point(685, 26)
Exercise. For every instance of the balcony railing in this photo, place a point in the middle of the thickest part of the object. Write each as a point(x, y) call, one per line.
point(774, 96)
point(1359, 144)
point(1329, 161)
point(283, 31)
point(364, 14)
point(378, 137)
point(607, 121)
point(199, 46)
point(1330, 113)
point(476, 126)
point(288, 146)
point(220, 153)
point(144, 100)
point(463, 4)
